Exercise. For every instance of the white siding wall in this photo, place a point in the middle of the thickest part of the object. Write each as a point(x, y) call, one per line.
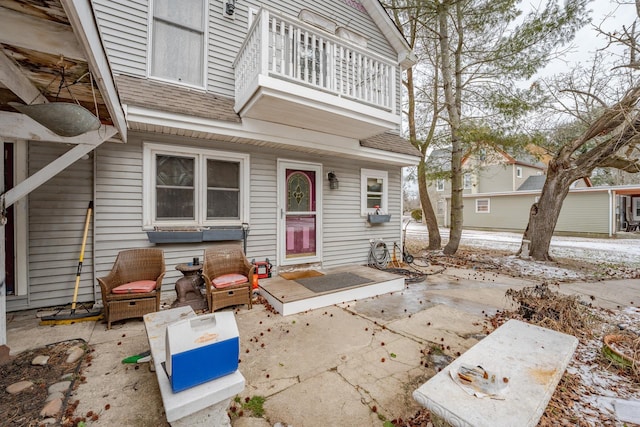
point(124, 24)
point(346, 232)
point(57, 214)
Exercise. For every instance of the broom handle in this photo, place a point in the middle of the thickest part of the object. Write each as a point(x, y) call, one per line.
point(79, 271)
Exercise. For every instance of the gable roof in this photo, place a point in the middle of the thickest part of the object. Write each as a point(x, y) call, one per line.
point(376, 11)
point(440, 159)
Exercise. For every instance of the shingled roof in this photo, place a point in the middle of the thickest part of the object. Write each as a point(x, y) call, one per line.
point(175, 99)
point(534, 182)
point(389, 141)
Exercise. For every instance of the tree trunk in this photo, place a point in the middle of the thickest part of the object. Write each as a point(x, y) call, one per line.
point(451, 99)
point(457, 220)
point(544, 214)
point(435, 241)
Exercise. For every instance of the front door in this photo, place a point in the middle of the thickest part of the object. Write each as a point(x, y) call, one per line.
point(299, 203)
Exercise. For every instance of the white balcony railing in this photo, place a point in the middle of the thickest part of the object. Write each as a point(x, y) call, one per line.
point(287, 48)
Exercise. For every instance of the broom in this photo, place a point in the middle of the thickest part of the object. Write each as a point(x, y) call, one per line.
point(72, 316)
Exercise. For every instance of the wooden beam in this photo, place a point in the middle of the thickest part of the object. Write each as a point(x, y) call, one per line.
point(81, 17)
point(29, 32)
point(58, 165)
point(13, 78)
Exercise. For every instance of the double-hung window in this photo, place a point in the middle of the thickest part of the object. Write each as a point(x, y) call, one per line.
point(194, 187)
point(439, 184)
point(178, 41)
point(374, 191)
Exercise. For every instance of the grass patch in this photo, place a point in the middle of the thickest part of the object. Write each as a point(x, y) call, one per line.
point(255, 405)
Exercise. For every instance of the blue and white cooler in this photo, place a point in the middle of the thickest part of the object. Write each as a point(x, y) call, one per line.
point(201, 349)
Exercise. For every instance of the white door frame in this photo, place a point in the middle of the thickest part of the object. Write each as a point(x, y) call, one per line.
point(283, 165)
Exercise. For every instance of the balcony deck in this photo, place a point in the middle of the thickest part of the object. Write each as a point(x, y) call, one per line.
point(291, 73)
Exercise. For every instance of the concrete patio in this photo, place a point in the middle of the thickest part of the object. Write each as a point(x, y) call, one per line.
point(354, 363)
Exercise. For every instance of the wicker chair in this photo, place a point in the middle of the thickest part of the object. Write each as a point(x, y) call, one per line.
point(228, 276)
point(136, 277)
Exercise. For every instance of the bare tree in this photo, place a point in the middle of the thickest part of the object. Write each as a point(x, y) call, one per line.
point(604, 132)
point(404, 14)
point(478, 53)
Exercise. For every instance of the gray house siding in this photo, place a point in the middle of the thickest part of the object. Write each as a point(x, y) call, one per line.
point(124, 28)
point(123, 25)
point(57, 214)
point(496, 178)
point(583, 212)
point(346, 233)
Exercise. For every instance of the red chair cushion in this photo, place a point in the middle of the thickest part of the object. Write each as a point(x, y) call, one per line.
point(138, 287)
point(227, 280)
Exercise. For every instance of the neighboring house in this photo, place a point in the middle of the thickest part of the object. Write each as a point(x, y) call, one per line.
point(280, 119)
point(498, 192)
point(485, 172)
point(597, 211)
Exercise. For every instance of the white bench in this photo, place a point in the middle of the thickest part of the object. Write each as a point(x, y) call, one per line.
point(533, 359)
point(203, 405)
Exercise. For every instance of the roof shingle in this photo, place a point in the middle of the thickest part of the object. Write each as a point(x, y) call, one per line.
point(175, 99)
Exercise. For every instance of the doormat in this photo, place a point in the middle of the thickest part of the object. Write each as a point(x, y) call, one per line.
point(300, 274)
point(332, 282)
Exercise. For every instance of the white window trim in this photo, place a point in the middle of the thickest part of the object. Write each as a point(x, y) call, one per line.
point(635, 203)
point(149, 194)
point(467, 181)
point(439, 184)
point(372, 173)
point(205, 49)
point(518, 172)
point(252, 15)
point(488, 206)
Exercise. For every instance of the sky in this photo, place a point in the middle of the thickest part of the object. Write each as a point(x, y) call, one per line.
point(609, 15)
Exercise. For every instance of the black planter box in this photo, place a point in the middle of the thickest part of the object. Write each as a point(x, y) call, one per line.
point(174, 236)
point(208, 235)
point(222, 233)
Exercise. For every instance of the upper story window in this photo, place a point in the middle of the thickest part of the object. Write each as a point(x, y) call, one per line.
point(439, 184)
point(466, 181)
point(194, 187)
point(374, 189)
point(178, 47)
point(518, 172)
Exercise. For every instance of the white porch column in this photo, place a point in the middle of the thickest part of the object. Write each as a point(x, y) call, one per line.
point(3, 274)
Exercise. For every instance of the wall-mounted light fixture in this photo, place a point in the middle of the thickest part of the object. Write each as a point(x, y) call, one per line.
point(334, 184)
point(230, 7)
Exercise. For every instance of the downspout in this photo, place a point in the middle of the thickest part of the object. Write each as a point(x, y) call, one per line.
point(93, 229)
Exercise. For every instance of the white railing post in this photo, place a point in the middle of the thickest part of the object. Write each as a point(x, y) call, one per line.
point(392, 92)
point(264, 42)
point(289, 49)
